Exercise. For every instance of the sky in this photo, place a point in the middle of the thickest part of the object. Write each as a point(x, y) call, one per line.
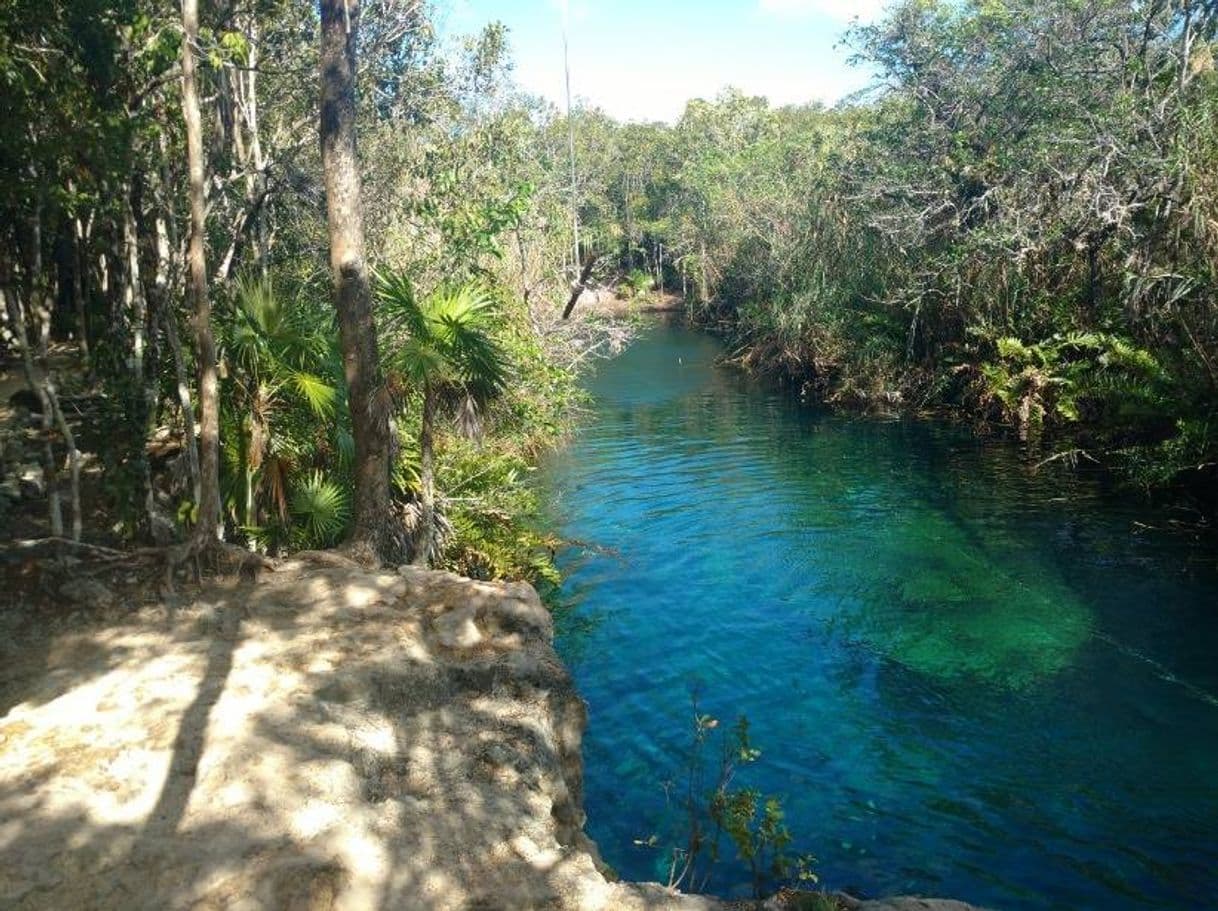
point(643, 59)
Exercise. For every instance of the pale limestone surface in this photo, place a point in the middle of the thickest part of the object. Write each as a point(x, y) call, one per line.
point(326, 739)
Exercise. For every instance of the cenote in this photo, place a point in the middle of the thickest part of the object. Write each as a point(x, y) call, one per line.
point(967, 679)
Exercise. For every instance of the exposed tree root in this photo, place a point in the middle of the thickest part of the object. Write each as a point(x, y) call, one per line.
point(217, 557)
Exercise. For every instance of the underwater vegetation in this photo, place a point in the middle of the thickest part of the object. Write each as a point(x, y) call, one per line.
point(946, 602)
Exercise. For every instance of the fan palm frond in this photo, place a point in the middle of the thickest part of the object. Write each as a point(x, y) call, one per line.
point(446, 346)
point(399, 307)
point(321, 507)
point(320, 396)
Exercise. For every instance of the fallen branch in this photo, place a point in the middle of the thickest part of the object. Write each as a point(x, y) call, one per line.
point(590, 261)
point(1070, 455)
point(240, 560)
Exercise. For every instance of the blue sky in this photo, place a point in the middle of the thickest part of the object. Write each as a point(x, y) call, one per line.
point(643, 59)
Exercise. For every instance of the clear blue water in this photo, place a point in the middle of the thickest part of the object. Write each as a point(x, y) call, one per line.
point(966, 679)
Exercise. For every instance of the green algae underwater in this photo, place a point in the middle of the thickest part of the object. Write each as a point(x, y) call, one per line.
point(945, 603)
point(966, 678)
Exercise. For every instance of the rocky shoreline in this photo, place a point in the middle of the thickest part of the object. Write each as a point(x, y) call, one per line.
point(326, 738)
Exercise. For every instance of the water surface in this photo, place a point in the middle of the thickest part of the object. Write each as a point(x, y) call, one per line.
point(966, 679)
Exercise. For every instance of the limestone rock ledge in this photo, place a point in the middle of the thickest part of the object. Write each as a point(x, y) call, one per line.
point(326, 739)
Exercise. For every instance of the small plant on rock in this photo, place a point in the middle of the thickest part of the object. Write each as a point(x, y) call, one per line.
point(711, 808)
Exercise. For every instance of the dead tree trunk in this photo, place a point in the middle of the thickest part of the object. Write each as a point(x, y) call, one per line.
point(580, 286)
point(426, 535)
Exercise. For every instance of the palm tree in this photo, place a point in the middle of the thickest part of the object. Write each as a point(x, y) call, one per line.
point(284, 380)
point(444, 346)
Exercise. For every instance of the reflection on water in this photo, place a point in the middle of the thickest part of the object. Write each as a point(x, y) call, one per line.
point(966, 679)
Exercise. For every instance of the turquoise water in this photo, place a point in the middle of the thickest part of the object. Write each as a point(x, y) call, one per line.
point(966, 679)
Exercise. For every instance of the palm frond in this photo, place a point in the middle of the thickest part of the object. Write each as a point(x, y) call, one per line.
point(419, 359)
point(344, 444)
point(320, 396)
point(321, 507)
point(399, 306)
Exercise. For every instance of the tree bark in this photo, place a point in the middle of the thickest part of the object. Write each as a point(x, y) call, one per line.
point(704, 291)
point(37, 385)
point(190, 442)
point(425, 539)
point(580, 285)
point(208, 528)
point(373, 534)
point(137, 305)
point(80, 284)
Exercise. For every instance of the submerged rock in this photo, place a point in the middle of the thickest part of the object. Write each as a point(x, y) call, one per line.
point(949, 604)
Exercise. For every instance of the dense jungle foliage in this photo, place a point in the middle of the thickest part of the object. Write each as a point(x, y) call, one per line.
point(461, 202)
point(1019, 221)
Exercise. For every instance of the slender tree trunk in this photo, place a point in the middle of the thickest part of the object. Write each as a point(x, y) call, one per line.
point(189, 439)
point(38, 382)
point(705, 289)
point(50, 481)
point(69, 440)
point(426, 537)
point(256, 188)
point(208, 528)
point(166, 245)
point(566, 68)
point(374, 533)
point(80, 284)
point(580, 284)
point(137, 305)
point(248, 227)
point(50, 396)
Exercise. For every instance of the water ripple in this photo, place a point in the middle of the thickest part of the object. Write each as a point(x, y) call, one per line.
point(965, 678)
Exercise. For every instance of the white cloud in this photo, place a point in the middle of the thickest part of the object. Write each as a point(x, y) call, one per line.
point(843, 10)
point(635, 85)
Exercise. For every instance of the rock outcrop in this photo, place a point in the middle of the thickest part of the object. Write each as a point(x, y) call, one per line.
point(326, 739)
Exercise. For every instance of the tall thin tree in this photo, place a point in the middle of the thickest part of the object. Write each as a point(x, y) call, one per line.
point(566, 69)
point(208, 527)
point(375, 533)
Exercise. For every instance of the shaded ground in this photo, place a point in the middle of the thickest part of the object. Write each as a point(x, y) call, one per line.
point(327, 738)
point(324, 739)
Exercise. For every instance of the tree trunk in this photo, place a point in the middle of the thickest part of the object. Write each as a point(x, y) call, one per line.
point(16, 317)
point(166, 245)
point(137, 307)
point(189, 440)
point(704, 291)
point(80, 285)
point(208, 528)
point(54, 415)
point(425, 539)
point(69, 440)
point(374, 534)
point(37, 383)
point(581, 284)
